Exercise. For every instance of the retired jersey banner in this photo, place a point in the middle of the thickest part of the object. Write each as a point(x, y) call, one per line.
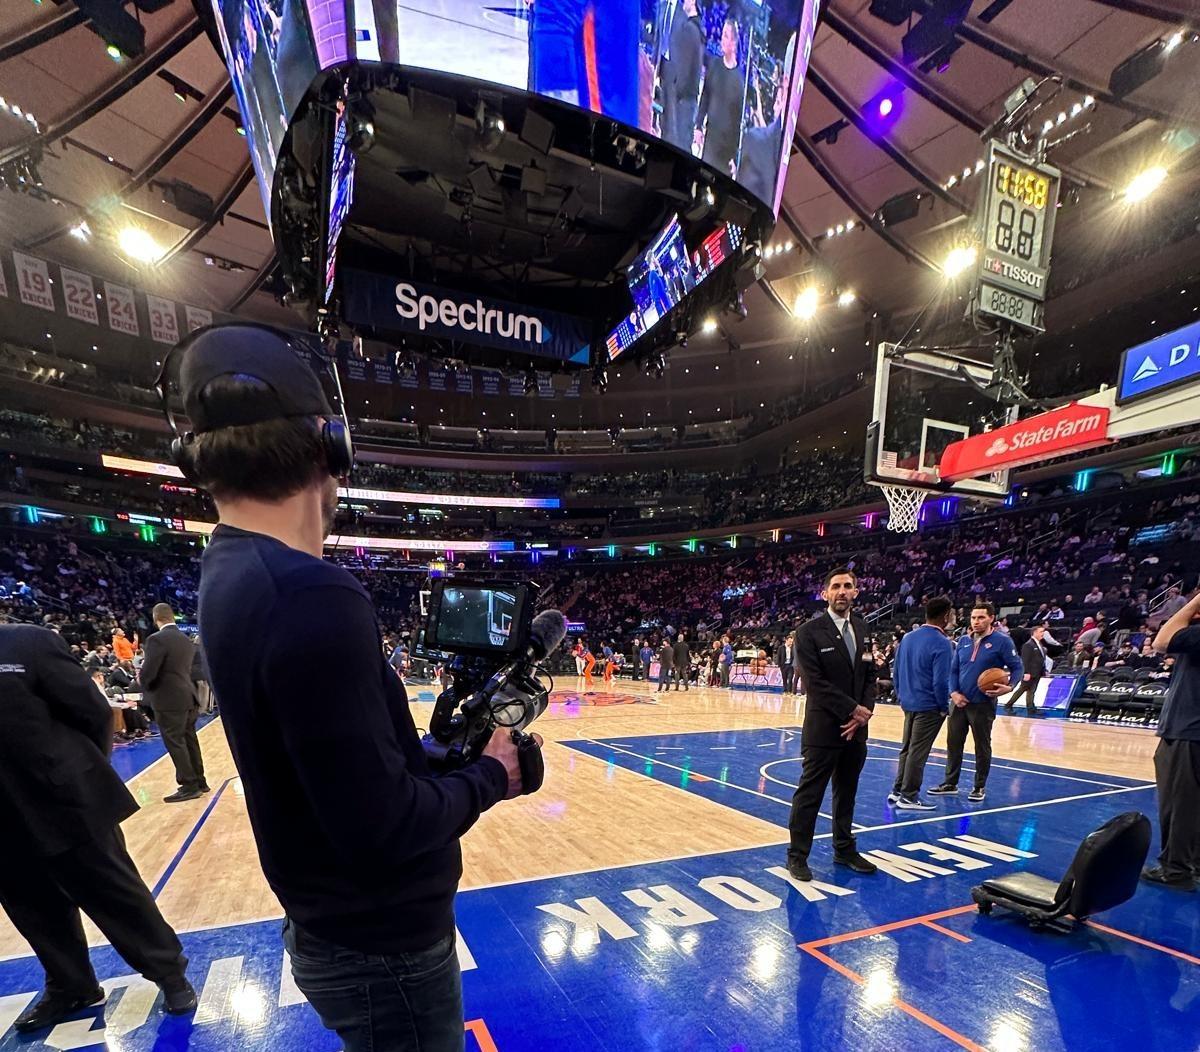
point(33, 281)
point(196, 317)
point(163, 325)
point(122, 314)
point(79, 294)
point(407, 306)
point(1069, 429)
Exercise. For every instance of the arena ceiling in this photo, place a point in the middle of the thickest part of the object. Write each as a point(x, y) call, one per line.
point(155, 141)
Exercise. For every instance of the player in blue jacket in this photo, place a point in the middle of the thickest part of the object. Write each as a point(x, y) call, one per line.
point(970, 705)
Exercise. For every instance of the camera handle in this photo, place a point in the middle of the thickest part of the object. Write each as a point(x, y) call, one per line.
point(533, 766)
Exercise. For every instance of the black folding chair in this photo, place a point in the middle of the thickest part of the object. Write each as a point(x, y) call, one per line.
point(1103, 874)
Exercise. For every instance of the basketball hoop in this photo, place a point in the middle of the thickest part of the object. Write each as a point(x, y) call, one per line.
point(904, 506)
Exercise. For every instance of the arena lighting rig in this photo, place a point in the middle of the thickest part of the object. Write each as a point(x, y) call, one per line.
point(490, 189)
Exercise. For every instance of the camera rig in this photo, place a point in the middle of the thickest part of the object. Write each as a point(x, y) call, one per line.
point(491, 645)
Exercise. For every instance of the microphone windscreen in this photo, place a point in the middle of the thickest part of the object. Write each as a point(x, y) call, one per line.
point(549, 629)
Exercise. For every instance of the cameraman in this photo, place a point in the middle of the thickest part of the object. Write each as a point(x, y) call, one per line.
point(355, 837)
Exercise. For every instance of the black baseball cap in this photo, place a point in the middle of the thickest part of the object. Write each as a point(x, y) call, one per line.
point(253, 352)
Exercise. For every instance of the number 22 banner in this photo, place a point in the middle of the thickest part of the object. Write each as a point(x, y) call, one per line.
point(79, 295)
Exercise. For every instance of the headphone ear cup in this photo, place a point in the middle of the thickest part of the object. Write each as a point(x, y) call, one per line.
point(181, 454)
point(339, 448)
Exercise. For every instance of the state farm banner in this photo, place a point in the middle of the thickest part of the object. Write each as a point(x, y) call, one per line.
point(407, 306)
point(1070, 429)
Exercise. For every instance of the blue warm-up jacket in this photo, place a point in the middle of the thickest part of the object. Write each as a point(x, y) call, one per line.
point(922, 670)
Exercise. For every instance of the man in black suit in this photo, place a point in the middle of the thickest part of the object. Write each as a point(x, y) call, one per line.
point(681, 662)
point(787, 662)
point(666, 658)
point(166, 680)
point(1033, 667)
point(679, 73)
point(838, 672)
point(61, 805)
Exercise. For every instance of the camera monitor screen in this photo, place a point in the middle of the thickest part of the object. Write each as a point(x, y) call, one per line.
point(718, 80)
point(477, 618)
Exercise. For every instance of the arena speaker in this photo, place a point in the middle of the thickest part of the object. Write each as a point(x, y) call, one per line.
point(900, 209)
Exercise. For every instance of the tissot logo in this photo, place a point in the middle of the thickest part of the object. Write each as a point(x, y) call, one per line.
point(1024, 275)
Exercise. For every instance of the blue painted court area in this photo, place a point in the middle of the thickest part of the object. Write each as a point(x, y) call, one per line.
point(756, 772)
point(132, 759)
point(723, 952)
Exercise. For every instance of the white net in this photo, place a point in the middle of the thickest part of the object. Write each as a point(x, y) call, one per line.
point(904, 506)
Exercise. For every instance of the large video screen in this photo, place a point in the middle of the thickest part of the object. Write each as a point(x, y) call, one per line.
point(663, 275)
point(719, 80)
point(341, 195)
point(272, 63)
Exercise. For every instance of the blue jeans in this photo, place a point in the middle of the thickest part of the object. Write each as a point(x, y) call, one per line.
point(401, 1002)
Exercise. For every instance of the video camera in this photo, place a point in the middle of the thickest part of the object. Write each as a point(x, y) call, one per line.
point(494, 644)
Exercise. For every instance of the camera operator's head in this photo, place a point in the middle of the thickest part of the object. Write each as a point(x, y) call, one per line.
point(265, 441)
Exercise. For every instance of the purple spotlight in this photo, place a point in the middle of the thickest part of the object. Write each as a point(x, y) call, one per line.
point(885, 107)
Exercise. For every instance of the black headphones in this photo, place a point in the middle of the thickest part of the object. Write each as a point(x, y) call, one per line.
point(335, 438)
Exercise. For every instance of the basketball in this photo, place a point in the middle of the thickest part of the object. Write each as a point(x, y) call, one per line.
point(992, 677)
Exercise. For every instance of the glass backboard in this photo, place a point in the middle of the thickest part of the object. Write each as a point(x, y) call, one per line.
point(924, 402)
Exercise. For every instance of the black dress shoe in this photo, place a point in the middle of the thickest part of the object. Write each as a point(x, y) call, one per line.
point(178, 996)
point(855, 862)
point(799, 869)
point(180, 795)
point(204, 787)
point(1156, 875)
point(54, 1008)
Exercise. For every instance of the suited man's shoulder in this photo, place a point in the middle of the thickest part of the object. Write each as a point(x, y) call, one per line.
point(31, 639)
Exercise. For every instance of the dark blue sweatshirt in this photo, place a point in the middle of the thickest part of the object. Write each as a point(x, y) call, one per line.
point(971, 657)
point(356, 838)
point(922, 670)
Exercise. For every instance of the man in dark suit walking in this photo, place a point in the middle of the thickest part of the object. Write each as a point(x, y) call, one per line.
point(61, 805)
point(681, 662)
point(1033, 667)
point(166, 680)
point(838, 672)
point(666, 658)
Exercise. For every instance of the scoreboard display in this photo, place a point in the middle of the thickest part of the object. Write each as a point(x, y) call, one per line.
point(1018, 204)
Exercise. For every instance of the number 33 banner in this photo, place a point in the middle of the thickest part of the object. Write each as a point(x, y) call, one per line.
point(163, 326)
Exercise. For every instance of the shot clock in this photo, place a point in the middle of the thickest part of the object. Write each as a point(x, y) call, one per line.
point(1018, 206)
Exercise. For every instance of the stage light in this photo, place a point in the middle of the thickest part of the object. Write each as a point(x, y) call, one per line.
point(139, 245)
point(1144, 184)
point(489, 127)
point(1172, 42)
point(114, 52)
point(81, 231)
point(959, 259)
point(846, 297)
point(885, 107)
point(709, 325)
point(805, 307)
